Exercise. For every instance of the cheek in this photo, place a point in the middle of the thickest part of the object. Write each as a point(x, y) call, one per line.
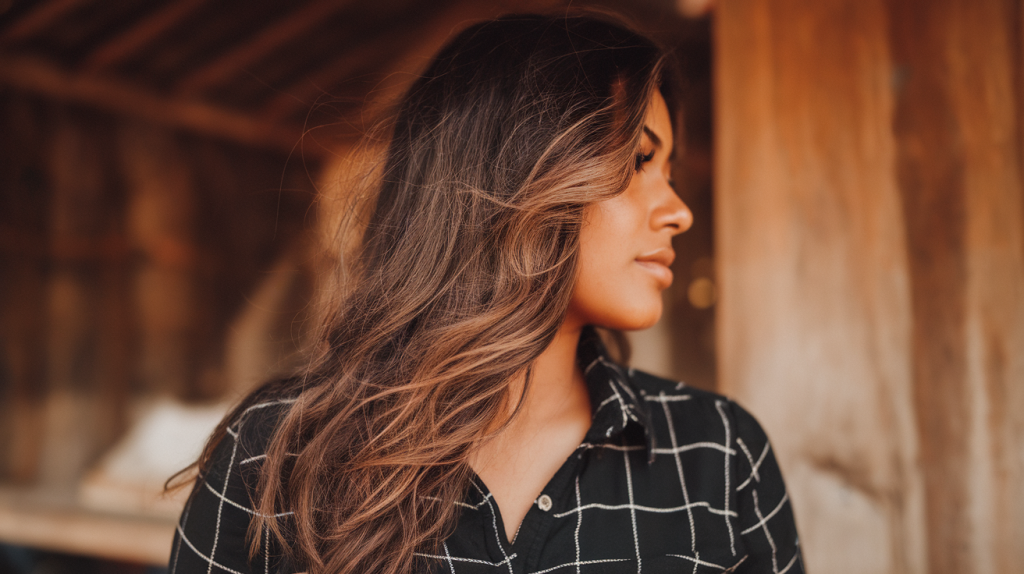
point(612, 290)
point(610, 302)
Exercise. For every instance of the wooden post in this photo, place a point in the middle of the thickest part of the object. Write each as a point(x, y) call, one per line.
point(957, 126)
point(24, 197)
point(870, 238)
point(161, 226)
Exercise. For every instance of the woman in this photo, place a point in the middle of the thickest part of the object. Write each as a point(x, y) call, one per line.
point(464, 415)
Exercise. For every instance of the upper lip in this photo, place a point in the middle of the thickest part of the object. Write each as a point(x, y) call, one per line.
point(665, 256)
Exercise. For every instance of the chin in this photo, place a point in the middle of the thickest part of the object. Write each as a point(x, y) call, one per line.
point(635, 318)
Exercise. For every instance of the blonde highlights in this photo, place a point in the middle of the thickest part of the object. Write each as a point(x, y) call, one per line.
point(462, 276)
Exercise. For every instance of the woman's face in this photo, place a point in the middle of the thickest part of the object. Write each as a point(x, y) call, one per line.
point(626, 241)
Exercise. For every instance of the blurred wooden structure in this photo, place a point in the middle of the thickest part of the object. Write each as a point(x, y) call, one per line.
point(870, 240)
point(158, 182)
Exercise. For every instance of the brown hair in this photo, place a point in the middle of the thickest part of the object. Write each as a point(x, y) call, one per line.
point(463, 275)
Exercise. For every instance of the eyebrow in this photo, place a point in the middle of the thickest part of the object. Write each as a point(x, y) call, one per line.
point(654, 138)
point(657, 141)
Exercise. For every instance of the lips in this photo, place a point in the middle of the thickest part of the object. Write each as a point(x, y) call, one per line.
point(664, 256)
point(659, 263)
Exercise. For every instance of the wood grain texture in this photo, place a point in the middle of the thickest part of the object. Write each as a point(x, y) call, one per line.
point(982, 58)
point(871, 246)
point(930, 169)
point(814, 315)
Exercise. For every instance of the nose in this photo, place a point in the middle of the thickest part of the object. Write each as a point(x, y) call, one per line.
point(671, 213)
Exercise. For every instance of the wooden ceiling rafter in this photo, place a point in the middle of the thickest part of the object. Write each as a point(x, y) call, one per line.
point(140, 35)
point(43, 78)
point(374, 71)
point(437, 31)
point(228, 65)
point(36, 20)
point(303, 93)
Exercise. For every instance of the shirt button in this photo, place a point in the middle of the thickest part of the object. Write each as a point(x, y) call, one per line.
point(544, 502)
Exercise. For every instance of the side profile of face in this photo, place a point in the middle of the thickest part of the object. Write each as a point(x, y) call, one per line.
point(626, 241)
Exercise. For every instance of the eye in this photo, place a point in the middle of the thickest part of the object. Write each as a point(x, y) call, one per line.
point(642, 158)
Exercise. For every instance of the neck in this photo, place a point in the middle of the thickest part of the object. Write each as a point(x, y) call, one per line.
point(557, 385)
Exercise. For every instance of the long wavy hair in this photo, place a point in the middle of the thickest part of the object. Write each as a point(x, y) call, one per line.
point(463, 274)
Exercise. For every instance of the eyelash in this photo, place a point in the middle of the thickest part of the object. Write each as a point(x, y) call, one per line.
point(642, 158)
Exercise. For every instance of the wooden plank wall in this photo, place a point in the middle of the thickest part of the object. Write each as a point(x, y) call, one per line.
point(870, 241)
point(127, 253)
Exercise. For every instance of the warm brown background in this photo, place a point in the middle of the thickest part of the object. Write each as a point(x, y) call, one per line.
point(870, 240)
point(864, 240)
point(168, 170)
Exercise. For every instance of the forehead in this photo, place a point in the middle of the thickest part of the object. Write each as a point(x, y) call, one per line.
point(658, 121)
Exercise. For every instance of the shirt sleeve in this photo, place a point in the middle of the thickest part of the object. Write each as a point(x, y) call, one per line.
point(767, 526)
point(211, 536)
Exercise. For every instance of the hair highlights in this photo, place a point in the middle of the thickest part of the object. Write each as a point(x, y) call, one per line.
point(462, 276)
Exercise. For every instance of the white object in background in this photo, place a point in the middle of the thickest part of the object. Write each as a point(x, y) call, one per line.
point(166, 438)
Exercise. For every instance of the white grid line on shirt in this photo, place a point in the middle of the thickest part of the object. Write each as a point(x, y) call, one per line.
point(460, 503)
point(683, 448)
point(257, 406)
point(220, 506)
point(642, 508)
point(266, 550)
point(620, 379)
point(698, 562)
point(177, 548)
point(762, 522)
point(497, 535)
point(622, 404)
point(577, 564)
point(728, 438)
point(507, 561)
point(607, 401)
point(663, 398)
point(448, 556)
point(264, 405)
point(261, 457)
point(209, 559)
point(754, 466)
point(682, 480)
point(240, 506)
point(632, 512)
point(579, 524)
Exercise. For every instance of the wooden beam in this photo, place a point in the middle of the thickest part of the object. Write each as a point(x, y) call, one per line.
point(139, 35)
point(302, 93)
point(400, 59)
point(37, 19)
point(43, 78)
point(435, 33)
point(228, 65)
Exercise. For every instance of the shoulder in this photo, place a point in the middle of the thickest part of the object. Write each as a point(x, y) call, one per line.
point(706, 424)
point(247, 436)
point(697, 410)
point(214, 527)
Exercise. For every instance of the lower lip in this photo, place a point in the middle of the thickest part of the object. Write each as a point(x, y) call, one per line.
point(662, 273)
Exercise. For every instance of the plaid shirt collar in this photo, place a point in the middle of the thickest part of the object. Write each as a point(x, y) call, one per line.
point(618, 405)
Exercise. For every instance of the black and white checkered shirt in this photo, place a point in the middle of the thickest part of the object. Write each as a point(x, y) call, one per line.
point(668, 479)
